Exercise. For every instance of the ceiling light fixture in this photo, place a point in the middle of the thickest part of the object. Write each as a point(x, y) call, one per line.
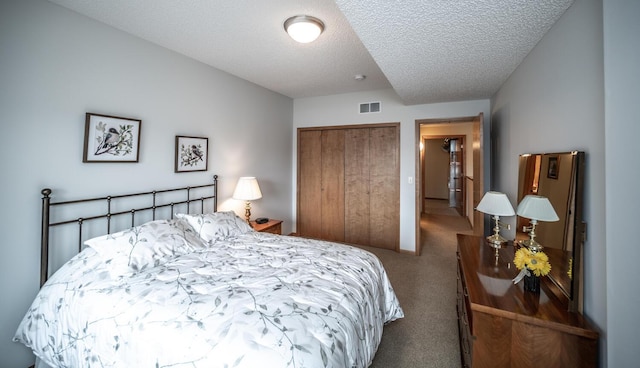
point(304, 28)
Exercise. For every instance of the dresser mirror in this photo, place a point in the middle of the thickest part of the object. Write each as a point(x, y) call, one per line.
point(559, 177)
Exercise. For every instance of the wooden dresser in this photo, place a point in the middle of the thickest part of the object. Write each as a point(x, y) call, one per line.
point(503, 326)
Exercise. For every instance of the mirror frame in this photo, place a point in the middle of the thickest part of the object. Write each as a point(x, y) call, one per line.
point(571, 289)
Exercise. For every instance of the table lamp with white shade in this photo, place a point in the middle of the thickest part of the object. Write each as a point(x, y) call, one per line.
point(496, 204)
point(536, 208)
point(247, 190)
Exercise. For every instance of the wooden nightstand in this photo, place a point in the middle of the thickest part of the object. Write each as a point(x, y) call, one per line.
point(272, 226)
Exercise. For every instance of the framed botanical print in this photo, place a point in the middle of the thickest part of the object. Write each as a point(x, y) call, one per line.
point(191, 154)
point(111, 139)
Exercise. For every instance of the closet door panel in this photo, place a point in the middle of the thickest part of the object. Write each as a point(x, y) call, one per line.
point(385, 187)
point(349, 185)
point(356, 153)
point(332, 201)
point(309, 183)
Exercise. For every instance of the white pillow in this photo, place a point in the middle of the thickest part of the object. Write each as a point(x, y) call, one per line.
point(216, 225)
point(145, 246)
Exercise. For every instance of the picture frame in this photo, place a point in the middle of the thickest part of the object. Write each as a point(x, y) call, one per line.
point(111, 138)
point(191, 154)
point(553, 166)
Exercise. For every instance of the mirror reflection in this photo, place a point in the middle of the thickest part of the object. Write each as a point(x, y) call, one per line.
point(557, 176)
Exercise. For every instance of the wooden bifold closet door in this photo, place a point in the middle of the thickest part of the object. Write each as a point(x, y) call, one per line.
point(348, 184)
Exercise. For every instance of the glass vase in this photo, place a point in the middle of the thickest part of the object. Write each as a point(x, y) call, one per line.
point(532, 283)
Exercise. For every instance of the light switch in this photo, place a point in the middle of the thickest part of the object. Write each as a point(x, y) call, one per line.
point(410, 180)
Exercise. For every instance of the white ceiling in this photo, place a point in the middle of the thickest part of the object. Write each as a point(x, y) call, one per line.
point(426, 50)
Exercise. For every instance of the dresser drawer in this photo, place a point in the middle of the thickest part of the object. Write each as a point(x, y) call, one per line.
point(466, 340)
point(464, 328)
point(463, 295)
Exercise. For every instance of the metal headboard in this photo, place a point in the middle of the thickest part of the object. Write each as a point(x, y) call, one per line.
point(151, 197)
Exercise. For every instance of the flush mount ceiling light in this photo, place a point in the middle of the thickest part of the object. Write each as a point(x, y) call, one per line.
point(304, 28)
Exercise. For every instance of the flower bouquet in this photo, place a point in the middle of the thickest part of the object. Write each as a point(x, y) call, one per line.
point(532, 265)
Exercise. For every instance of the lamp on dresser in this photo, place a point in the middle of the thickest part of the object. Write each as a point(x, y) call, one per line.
point(247, 190)
point(536, 208)
point(496, 204)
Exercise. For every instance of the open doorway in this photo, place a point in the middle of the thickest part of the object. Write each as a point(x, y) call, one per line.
point(442, 174)
point(458, 180)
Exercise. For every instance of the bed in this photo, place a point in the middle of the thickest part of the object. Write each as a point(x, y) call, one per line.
point(202, 289)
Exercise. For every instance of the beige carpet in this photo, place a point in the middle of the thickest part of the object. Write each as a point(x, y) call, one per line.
point(426, 288)
point(439, 207)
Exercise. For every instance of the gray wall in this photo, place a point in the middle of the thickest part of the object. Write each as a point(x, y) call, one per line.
point(622, 129)
point(556, 101)
point(55, 65)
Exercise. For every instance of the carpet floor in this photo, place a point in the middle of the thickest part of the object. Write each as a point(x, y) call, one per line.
point(439, 207)
point(426, 286)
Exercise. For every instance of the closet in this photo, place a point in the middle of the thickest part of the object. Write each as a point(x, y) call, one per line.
point(349, 184)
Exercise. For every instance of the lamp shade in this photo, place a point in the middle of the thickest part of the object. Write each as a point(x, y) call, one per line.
point(538, 208)
point(247, 189)
point(496, 203)
point(304, 28)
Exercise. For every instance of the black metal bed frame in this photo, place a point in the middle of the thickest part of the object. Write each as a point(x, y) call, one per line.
point(47, 205)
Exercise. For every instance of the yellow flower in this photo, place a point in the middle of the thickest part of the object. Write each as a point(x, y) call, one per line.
point(570, 272)
point(520, 258)
point(538, 263)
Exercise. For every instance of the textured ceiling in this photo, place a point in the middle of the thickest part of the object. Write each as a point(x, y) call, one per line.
point(443, 50)
point(428, 51)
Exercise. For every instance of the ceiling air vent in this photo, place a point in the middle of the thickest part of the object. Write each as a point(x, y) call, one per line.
point(368, 107)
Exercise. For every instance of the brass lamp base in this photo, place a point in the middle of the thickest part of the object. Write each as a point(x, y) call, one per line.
point(496, 240)
point(531, 243)
point(247, 212)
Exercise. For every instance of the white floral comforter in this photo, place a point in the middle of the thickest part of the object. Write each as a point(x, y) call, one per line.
point(252, 300)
